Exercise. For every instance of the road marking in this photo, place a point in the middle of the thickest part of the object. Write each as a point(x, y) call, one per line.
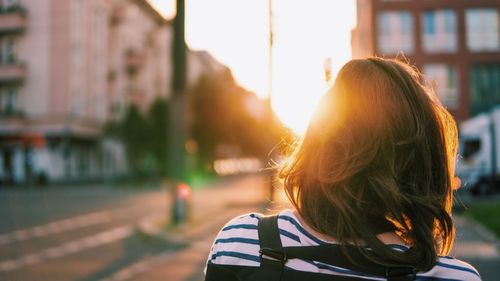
point(148, 263)
point(141, 266)
point(198, 244)
point(56, 227)
point(68, 248)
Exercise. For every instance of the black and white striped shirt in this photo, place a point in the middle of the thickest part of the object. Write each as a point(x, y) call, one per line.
point(238, 244)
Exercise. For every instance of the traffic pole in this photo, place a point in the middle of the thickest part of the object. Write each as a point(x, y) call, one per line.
point(177, 135)
point(271, 122)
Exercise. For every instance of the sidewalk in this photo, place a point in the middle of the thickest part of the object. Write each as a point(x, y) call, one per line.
point(211, 208)
point(477, 246)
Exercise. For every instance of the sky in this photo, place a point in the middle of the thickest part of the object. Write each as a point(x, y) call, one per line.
point(306, 34)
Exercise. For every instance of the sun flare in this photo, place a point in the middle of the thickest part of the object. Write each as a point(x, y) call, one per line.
point(306, 34)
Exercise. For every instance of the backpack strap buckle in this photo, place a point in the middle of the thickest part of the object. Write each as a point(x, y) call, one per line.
point(272, 254)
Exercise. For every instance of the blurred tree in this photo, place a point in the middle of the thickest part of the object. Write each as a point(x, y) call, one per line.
point(225, 121)
point(157, 125)
point(225, 114)
point(144, 136)
point(208, 120)
point(135, 135)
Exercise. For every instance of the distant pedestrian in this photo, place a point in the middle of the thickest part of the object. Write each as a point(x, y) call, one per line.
point(372, 185)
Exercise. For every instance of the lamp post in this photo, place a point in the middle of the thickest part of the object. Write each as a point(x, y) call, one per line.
point(270, 62)
point(269, 94)
point(177, 130)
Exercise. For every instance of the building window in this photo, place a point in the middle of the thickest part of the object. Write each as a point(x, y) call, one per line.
point(484, 87)
point(439, 31)
point(443, 79)
point(395, 32)
point(2, 56)
point(11, 3)
point(8, 100)
point(8, 50)
point(483, 30)
point(5, 5)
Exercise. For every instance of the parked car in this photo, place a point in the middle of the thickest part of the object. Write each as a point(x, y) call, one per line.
point(479, 163)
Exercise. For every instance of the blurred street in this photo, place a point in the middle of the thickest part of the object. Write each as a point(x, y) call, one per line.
point(105, 233)
point(95, 233)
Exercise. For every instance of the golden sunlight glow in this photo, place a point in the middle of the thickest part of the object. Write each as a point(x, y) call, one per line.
point(307, 32)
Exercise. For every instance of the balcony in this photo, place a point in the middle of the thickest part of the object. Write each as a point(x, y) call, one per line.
point(13, 19)
point(134, 60)
point(12, 73)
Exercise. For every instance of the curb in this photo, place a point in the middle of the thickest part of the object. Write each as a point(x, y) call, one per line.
point(189, 232)
point(486, 246)
point(486, 234)
point(207, 220)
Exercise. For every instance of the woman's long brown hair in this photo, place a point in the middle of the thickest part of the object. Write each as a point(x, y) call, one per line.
point(378, 155)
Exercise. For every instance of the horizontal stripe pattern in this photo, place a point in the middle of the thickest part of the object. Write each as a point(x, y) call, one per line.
point(236, 255)
point(344, 271)
point(431, 278)
point(240, 226)
point(238, 244)
point(457, 267)
point(238, 240)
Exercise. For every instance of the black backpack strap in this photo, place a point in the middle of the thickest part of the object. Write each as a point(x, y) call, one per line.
point(350, 257)
point(272, 257)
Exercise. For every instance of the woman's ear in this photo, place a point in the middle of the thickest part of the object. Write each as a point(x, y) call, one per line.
point(456, 183)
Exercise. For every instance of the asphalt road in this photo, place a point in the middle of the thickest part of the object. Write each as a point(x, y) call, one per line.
point(91, 233)
point(80, 233)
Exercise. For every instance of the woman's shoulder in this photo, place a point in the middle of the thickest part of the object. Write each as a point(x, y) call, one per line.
point(453, 268)
point(245, 221)
point(243, 226)
point(237, 242)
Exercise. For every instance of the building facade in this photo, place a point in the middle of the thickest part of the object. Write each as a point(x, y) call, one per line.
point(139, 51)
point(66, 68)
point(455, 43)
point(52, 111)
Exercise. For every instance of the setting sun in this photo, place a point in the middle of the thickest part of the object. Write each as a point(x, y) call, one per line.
point(306, 33)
